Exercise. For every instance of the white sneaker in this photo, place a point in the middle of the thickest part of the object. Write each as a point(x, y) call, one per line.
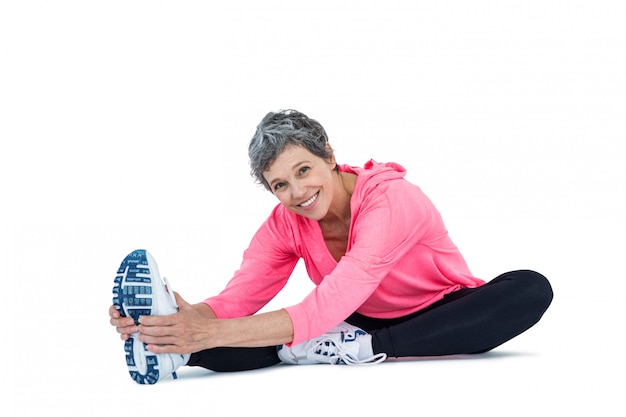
point(139, 291)
point(345, 344)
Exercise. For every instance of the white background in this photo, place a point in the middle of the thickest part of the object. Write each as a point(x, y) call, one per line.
point(125, 124)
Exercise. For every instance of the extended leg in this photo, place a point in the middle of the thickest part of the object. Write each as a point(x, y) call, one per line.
point(235, 359)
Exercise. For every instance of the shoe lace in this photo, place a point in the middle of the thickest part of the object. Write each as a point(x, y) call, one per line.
point(338, 354)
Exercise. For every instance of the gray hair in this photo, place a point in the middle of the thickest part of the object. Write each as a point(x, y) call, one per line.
point(278, 130)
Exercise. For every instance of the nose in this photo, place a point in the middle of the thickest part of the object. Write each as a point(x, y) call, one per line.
point(298, 190)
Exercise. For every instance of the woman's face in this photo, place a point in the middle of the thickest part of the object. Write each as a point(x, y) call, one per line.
point(303, 182)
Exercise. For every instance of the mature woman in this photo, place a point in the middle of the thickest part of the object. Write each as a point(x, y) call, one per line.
point(389, 280)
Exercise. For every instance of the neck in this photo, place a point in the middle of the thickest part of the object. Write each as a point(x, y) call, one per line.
point(340, 209)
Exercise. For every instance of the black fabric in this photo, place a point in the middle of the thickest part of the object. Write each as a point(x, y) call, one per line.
point(235, 359)
point(471, 320)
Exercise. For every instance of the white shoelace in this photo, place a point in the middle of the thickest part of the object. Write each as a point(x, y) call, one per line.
point(329, 348)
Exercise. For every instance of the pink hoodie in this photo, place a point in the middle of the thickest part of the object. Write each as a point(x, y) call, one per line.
point(399, 260)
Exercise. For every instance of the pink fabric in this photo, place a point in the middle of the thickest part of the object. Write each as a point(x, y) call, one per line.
point(399, 260)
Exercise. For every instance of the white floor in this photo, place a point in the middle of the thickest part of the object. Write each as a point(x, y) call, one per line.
point(125, 125)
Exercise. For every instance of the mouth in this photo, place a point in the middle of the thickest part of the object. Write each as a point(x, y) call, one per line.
point(309, 201)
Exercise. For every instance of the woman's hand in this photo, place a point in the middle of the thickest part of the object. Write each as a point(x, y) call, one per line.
point(196, 327)
point(187, 331)
point(125, 326)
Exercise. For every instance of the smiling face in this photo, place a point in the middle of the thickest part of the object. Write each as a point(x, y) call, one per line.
point(303, 182)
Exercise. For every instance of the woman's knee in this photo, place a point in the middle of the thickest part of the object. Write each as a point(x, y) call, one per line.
point(535, 287)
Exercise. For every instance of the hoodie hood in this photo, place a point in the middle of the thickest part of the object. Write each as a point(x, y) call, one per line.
point(376, 171)
point(373, 176)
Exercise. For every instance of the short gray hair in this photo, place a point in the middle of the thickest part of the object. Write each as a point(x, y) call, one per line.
point(280, 129)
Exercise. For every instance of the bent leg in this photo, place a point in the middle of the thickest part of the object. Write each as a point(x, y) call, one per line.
point(467, 321)
point(235, 359)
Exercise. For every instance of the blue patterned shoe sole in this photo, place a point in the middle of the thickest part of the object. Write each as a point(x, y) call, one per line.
point(152, 374)
point(132, 293)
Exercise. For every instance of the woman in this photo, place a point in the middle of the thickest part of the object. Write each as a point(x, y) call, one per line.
point(389, 280)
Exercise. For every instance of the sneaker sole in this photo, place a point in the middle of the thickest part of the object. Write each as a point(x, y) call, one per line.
point(136, 349)
point(132, 297)
point(132, 290)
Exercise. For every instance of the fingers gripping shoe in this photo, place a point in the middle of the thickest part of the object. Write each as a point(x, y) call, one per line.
point(345, 344)
point(139, 291)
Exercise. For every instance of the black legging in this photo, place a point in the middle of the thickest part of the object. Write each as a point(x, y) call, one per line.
point(470, 320)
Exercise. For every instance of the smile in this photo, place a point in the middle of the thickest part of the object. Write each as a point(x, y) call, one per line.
point(309, 201)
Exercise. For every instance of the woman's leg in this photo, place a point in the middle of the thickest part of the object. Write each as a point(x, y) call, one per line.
point(467, 321)
point(235, 359)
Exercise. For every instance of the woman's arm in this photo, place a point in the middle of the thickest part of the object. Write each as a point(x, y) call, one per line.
point(196, 328)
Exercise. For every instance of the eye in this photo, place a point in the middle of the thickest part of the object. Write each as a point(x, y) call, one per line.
point(303, 170)
point(278, 186)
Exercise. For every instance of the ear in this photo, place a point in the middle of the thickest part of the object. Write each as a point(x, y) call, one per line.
point(331, 158)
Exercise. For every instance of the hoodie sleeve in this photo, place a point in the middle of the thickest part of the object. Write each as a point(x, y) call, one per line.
point(265, 269)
